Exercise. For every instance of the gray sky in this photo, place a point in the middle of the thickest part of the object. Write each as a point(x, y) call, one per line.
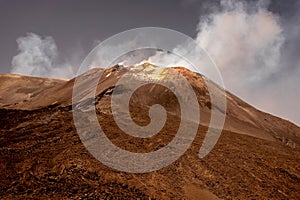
point(75, 26)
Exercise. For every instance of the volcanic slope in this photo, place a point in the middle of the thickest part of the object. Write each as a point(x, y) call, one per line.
point(256, 157)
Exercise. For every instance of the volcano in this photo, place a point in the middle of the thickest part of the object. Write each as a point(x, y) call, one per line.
point(42, 156)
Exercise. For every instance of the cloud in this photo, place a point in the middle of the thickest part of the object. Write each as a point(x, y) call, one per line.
point(37, 57)
point(244, 41)
point(254, 49)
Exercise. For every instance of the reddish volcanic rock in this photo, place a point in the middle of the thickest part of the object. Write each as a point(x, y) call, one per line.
point(42, 156)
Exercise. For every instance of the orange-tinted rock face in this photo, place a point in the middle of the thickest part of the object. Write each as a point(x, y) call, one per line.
point(42, 156)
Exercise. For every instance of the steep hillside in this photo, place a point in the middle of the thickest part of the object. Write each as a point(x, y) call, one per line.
point(42, 156)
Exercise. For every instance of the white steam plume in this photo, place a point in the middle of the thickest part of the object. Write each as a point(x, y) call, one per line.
point(37, 57)
point(244, 44)
point(246, 41)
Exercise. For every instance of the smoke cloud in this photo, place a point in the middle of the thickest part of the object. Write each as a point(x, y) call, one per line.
point(248, 44)
point(37, 57)
point(244, 43)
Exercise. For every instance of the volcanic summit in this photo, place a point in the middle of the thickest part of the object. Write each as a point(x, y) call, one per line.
point(42, 156)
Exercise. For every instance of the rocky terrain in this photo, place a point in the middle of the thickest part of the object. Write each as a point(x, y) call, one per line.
point(42, 156)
